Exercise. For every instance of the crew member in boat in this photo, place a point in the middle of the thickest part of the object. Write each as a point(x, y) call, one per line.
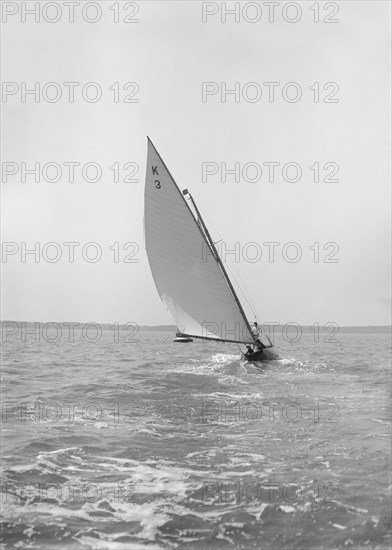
point(256, 330)
point(259, 344)
point(249, 351)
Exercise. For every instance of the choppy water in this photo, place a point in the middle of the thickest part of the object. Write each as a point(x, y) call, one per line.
point(164, 445)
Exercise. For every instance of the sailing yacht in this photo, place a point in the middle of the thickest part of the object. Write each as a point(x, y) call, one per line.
point(188, 272)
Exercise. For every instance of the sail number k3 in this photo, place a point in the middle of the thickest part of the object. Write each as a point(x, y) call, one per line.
point(155, 173)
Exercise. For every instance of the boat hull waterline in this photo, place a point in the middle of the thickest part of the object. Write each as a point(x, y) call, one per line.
point(266, 354)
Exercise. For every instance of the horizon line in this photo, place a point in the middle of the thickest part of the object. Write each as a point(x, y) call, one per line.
point(173, 325)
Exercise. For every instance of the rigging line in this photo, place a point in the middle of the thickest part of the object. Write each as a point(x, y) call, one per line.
point(242, 287)
point(221, 266)
point(244, 292)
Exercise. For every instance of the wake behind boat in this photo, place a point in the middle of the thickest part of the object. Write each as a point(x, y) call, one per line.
point(188, 272)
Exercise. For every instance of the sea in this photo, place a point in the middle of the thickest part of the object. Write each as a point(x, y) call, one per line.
point(126, 440)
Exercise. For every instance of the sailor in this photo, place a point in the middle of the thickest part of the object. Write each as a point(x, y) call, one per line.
point(249, 351)
point(256, 330)
point(259, 344)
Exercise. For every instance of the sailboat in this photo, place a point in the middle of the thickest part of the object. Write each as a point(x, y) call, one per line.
point(188, 272)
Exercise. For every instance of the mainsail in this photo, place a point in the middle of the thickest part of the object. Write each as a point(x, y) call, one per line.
point(188, 273)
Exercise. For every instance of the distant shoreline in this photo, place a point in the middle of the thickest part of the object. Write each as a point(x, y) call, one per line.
point(384, 329)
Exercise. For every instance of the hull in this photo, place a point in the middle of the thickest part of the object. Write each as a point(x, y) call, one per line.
point(267, 354)
point(182, 339)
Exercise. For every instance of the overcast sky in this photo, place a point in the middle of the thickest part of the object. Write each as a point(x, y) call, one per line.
point(169, 53)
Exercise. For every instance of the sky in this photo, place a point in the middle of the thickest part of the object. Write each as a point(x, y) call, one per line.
point(162, 61)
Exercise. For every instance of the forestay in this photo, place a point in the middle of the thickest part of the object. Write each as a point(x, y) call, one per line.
point(187, 275)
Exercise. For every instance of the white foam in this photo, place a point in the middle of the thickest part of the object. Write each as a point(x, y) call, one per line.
point(287, 509)
point(224, 358)
point(113, 545)
point(258, 510)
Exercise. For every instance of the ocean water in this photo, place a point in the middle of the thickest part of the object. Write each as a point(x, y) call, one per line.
point(153, 444)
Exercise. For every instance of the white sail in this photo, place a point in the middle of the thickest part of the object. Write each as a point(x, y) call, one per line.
point(187, 275)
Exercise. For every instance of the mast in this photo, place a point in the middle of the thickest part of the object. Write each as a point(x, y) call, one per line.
point(210, 242)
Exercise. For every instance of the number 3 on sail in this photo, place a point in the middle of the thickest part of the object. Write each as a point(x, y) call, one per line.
point(194, 287)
